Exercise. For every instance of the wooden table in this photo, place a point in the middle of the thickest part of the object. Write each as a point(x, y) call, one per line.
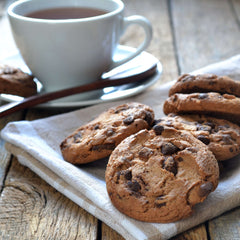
point(188, 34)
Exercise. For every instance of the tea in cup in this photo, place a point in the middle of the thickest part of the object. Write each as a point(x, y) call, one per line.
point(73, 42)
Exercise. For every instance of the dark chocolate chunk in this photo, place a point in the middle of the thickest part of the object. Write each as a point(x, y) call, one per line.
point(169, 148)
point(158, 129)
point(145, 153)
point(203, 139)
point(159, 202)
point(170, 165)
point(100, 147)
point(128, 174)
point(110, 132)
point(122, 109)
point(77, 137)
point(128, 120)
point(96, 127)
point(205, 189)
point(134, 185)
point(149, 118)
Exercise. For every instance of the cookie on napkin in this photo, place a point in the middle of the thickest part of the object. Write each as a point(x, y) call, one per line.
point(159, 175)
point(221, 136)
point(98, 138)
point(16, 82)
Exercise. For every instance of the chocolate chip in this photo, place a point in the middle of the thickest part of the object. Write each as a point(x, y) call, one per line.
point(100, 147)
point(145, 153)
point(159, 201)
point(203, 139)
point(128, 174)
point(134, 185)
point(96, 127)
point(205, 189)
point(203, 95)
point(170, 165)
point(77, 137)
point(180, 159)
point(158, 129)
point(128, 120)
point(187, 78)
point(148, 118)
point(169, 148)
point(110, 132)
point(159, 205)
point(175, 97)
point(122, 109)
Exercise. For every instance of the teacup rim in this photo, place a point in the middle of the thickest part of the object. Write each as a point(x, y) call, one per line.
point(11, 13)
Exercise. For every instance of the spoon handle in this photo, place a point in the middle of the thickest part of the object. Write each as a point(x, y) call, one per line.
point(45, 97)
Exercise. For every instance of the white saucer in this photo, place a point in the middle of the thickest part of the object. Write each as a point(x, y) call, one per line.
point(97, 96)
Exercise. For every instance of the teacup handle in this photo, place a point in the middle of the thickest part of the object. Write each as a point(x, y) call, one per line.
point(147, 27)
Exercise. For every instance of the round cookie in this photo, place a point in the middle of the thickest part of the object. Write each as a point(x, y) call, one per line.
point(16, 82)
point(159, 175)
point(98, 138)
point(205, 83)
point(221, 106)
point(221, 136)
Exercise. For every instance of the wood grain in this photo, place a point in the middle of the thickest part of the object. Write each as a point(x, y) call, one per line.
point(205, 32)
point(197, 233)
point(227, 226)
point(31, 209)
point(162, 46)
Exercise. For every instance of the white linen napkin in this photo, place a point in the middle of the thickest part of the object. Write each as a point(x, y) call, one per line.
point(36, 145)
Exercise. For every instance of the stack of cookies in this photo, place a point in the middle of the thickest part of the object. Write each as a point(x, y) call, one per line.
point(208, 106)
point(159, 169)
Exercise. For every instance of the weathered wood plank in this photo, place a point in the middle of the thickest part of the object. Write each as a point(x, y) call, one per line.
point(205, 32)
point(161, 45)
point(227, 226)
point(197, 233)
point(109, 234)
point(236, 10)
point(31, 209)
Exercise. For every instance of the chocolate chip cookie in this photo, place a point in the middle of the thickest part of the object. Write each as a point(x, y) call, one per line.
point(221, 136)
point(15, 81)
point(98, 138)
point(224, 106)
point(188, 83)
point(158, 175)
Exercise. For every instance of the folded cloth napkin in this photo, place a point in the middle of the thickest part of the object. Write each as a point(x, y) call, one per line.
point(36, 145)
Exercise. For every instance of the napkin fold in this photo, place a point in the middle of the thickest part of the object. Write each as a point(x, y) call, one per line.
point(36, 145)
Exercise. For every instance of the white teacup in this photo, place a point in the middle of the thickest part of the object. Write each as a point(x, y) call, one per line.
point(64, 53)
